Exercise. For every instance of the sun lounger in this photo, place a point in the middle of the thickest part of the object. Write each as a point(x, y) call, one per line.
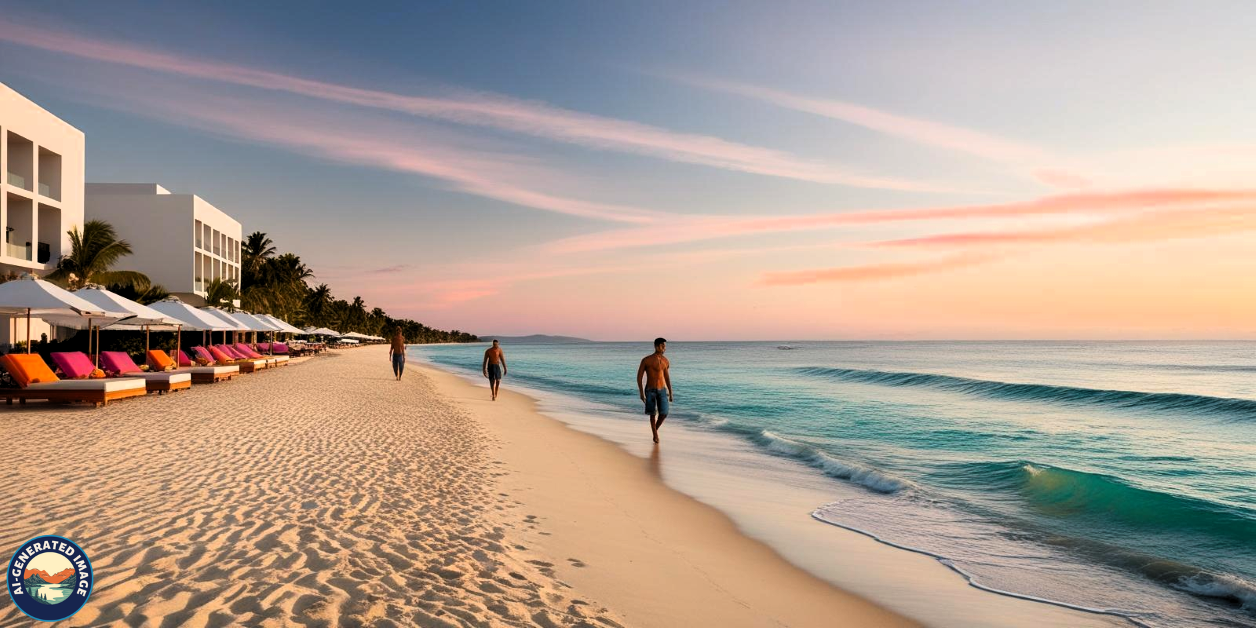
point(271, 360)
point(118, 363)
point(158, 360)
point(242, 358)
point(221, 358)
point(36, 381)
point(73, 364)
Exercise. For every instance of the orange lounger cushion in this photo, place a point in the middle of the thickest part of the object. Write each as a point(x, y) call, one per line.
point(159, 360)
point(28, 368)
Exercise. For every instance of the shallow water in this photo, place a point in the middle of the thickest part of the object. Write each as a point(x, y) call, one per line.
point(1109, 476)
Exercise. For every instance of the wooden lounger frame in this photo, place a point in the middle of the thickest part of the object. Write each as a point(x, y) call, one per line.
point(160, 387)
point(209, 378)
point(97, 397)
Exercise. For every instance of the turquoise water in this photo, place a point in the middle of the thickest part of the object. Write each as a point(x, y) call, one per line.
point(1118, 477)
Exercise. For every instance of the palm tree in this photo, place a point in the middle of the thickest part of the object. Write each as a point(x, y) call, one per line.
point(93, 252)
point(144, 295)
point(357, 314)
point(223, 294)
point(256, 250)
point(318, 305)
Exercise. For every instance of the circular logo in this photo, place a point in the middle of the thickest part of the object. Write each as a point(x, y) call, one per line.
point(49, 578)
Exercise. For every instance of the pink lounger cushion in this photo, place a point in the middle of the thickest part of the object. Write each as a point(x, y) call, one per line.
point(229, 352)
point(279, 347)
point(75, 364)
point(184, 360)
point(118, 362)
point(245, 351)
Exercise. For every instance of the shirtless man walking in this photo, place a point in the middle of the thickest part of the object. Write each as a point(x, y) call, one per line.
point(657, 391)
point(494, 367)
point(397, 354)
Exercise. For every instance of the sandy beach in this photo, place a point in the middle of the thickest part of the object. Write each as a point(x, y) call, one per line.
point(325, 493)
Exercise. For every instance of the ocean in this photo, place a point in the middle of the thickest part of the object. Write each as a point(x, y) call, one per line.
point(1117, 477)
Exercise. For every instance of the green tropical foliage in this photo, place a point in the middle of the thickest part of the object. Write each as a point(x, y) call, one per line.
point(142, 294)
point(93, 252)
point(221, 294)
point(278, 284)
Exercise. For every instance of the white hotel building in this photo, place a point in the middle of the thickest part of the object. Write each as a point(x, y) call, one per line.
point(41, 192)
point(179, 240)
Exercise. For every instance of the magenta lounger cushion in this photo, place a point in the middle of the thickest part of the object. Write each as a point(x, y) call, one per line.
point(184, 360)
point(118, 362)
point(75, 364)
point(245, 351)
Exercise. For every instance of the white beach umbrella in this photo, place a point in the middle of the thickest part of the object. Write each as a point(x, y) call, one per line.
point(255, 323)
point(34, 297)
point(227, 318)
point(279, 323)
point(193, 319)
point(142, 317)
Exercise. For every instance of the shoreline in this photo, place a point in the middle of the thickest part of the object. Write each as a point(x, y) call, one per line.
point(908, 584)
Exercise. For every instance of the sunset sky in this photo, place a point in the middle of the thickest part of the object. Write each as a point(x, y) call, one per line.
point(798, 170)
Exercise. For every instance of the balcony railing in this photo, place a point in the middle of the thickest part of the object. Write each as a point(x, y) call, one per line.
point(17, 179)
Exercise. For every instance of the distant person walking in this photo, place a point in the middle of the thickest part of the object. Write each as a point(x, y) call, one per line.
point(494, 367)
point(657, 391)
point(397, 353)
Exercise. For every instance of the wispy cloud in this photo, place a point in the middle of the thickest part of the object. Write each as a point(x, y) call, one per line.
point(913, 129)
point(983, 247)
point(362, 141)
point(917, 130)
point(477, 109)
point(1143, 227)
point(388, 270)
point(1085, 204)
point(867, 272)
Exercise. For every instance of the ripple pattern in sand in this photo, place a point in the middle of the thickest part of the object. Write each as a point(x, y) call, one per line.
point(319, 494)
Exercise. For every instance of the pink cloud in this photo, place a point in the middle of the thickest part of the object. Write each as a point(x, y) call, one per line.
point(714, 227)
point(477, 109)
point(868, 272)
point(1143, 227)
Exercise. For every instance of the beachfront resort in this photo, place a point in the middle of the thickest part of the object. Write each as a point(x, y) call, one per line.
point(66, 296)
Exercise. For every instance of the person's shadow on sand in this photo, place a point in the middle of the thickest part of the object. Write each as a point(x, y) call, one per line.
point(656, 462)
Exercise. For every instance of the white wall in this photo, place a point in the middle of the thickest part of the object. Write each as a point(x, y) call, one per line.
point(20, 117)
point(158, 226)
point(52, 143)
point(161, 228)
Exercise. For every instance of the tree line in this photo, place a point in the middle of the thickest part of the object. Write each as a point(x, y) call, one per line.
point(270, 283)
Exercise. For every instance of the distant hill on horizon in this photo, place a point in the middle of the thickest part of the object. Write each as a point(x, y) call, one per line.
point(535, 339)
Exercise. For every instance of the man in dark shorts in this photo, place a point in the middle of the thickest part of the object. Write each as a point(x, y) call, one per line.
point(397, 354)
point(494, 367)
point(657, 391)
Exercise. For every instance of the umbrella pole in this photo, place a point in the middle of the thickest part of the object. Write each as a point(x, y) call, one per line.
point(178, 345)
point(28, 330)
point(146, 339)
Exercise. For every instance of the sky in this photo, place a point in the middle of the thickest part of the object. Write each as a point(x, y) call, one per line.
point(699, 171)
